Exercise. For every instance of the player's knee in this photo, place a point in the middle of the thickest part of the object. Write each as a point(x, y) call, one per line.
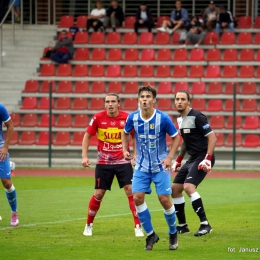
point(165, 201)
point(99, 194)
point(176, 190)
point(139, 200)
point(128, 190)
point(189, 188)
point(7, 183)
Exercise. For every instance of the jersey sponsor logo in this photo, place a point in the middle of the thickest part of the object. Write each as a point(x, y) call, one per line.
point(108, 135)
point(112, 147)
point(113, 123)
point(103, 123)
point(122, 123)
point(205, 126)
point(141, 136)
point(151, 126)
point(152, 145)
point(152, 136)
point(186, 131)
point(112, 135)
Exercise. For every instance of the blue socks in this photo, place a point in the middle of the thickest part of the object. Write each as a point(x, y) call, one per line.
point(11, 197)
point(169, 215)
point(145, 218)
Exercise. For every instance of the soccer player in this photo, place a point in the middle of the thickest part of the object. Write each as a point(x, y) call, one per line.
point(199, 141)
point(108, 125)
point(5, 171)
point(153, 163)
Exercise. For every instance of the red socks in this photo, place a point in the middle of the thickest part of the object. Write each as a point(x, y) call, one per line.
point(93, 208)
point(133, 209)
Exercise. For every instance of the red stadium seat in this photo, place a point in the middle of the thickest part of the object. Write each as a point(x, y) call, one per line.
point(47, 70)
point(229, 88)
point(162, 38)
point(44, 53)
point(45, 88)
point(180, 54)
point(146, 38)
point(220, 139)
point(164, 88)
point(251, 140)
point(81, 54)
point(45, 103)
point(246, 55)
point(211, 38)
point(248, 88)
point(98, 54)
point(114, 87)
point(214, 88)
point(114, 54)
point(180, 86)
point(80, 70)
point(176, 38)
point(229, 141)
point(229, 105)
point(64, 70)
point(146, 71)
point(213, 55)
point(98, 87)
point(80, 103)
point(198, 104)
point(31, 86)
point(129, 38)
point(163, 71)
point(229, 124)
point(30, 120)
point(147, 55)
point(81, 38)
point(45, 120)
point(163, 55)
point(27, 138)
point(97, 38)
point(179, 71)
point(66, 21)
point(62, 139)
point(64, 120)
point(228, 38)
point(198, 88)
point(251, 122)
point(82, 21)
point(196, 55)
point(257, 75)
point(130, 104)
point(230, 55)
point(81, 87)
point(131, 54)
point(97, 71)
point(249, 105)
point(257, 22)
point(15, 138)
point(130, 71)
point(96, 104)
point(77, 138)
point(257, 38)
point(213, 71)
point(16, 119)
point(247, 71)
point(160, 20)
point(113, 71)
point(43, 138)
point(244, 22)
point(62, 103)
point(64, 87)
point(214, 105)
point(164, 104)
point(229, 71)
point(131, 87)
point(29, 103)
point(196, 71)
point(146, 83)
point(129, 21)
point(244, 38)
point(257, 58)
point(113, 38)
point(217, 122)
point(80, 121)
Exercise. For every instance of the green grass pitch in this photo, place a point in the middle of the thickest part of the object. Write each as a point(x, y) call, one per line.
point(52, 214)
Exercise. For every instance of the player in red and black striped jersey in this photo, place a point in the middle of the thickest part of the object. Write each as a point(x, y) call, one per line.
point(108, 126)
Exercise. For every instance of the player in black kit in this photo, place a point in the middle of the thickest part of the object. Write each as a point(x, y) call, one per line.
point(199, 141)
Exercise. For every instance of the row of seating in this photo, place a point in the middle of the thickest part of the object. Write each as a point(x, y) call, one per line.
point(161, 71)
point(67, 21)
point(131, 87)
point(160, 38)
point(79, 103)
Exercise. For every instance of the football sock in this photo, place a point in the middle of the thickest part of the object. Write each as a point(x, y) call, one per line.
point(133, 209)
point(145, 218)
point(198, 206)
point(179, 204)
point(11, 197)
point(93, 207)
point(169, 215)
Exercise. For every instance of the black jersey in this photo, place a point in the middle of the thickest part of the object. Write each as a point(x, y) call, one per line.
point(194, 128)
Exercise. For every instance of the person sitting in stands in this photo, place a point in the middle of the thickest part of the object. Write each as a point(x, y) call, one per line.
point(143, 17)
point(97, 17)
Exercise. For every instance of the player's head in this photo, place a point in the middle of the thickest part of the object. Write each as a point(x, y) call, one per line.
point(112, 103)
point(146, 96)
point(182, 101)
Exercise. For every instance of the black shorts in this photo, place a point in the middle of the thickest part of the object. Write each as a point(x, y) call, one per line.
point(189, 172)
point(104, 175)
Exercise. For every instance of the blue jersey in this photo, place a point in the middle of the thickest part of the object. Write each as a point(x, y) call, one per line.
point(150, 138)
point(4, 117)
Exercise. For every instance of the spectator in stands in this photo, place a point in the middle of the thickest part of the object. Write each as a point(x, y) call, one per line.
point(210, 16)
point(143, 17)
point(196, 36)
point(17, 11)
point(114, 16)
point(96, 17)
point(179, 18)
point(63, 50)
point(225, 18)
point(193, 22)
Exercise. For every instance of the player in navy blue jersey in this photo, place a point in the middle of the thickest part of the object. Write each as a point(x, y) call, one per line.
point(199, 142)
point(5, 171)
point(153, 162)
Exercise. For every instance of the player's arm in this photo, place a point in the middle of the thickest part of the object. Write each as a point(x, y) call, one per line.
point(125, 142)
point(8, 136)
point(134, 150)
point(177, 164)
point(174, 147)
point(85, 146)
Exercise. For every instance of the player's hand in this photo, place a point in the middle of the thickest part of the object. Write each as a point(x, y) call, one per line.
point(177, 164)
point(205, 165)
point(133, 161)
point(128, 156)
point(85, 162)
point(166, 163)
point(3, 153)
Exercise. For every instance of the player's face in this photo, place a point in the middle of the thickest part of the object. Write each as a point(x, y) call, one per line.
point(146, 100)
point(111, 105)
point(181, 102)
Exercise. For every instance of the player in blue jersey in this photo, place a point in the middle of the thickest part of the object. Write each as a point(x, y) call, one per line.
point(153, 162)
point(5, 171)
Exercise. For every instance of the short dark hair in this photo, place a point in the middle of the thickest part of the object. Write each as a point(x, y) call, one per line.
point(143, 3)
point(112, 94)
point(147, 88)
point(64, 31)
point(222, 7)
point(183, 91)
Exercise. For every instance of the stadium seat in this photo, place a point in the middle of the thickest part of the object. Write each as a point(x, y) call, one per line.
point(80, 70)
point(244, 38)
point(146, 38)
point(163, 55)
point(45, 88)
point(129, 38)
point(81, 38)
point(31, 86)
point(217, 122)
point(64, 70)
point(196, 55)
point(160, 20)
point(229, 88)
point(64, 120)
point(213, 55)
point(257, 74)
point(162, 38)
point(43, 138)
point(114, 87)
point(213, 71)
point(179, 71)
point(64, 87)
point(246, 55)
point(214, 88)
point(81, 54)
point(82, 21)
point(96, 104)
point(29, 103)
point(81, 87)
point(251, 122)
point(113, 38)
point(62, 139)
point(129, 21)
point(80, 121)
point(211, 38)
point(164, 104)
point(251, 140)
point(15, 138)
point(146, 71)
point(97, 38)
point(244, 22)
point(113, 71)
point(69, 35)
point(214, 105)
point(248, 88)
point(27, 138)
point(198, 104)
point(229, 71)
point(97, 71)
point(45, 120)
point(114, 54)
point(227, 38)
point(47, 70)
point(131, 54)
point(257, 38)
point(249, 105)
point(98, 87)
point(130, 71)
point(63, 103)
point(30, 120)
point(44, 52)
point(131, 87)
point(246, 71)
point(229, 105)
point(180, 54)
point(163, 71)
point(180, 86)
point(196, 71)
point(77, 138)
point(98, 54)
point(16, 119)
point(257, 58)
point(230, 55)
point(229, 124)
point(257, 22)
point(146, 83)
point(130, 104)
point(229, 141)
point(80, 103)
point(164, 88)
point(147, 55)
point(45, 103)
point(220, 139)
point(176, 38)
point(66, 21)
point(198, 88)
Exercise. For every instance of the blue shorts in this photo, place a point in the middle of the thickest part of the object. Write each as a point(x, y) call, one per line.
point(5, 171)
point(142, 182)
point(17, 3)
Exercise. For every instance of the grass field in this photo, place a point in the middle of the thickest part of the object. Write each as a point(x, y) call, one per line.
point(52, 214)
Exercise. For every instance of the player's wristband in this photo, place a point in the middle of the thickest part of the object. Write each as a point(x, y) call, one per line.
point(208, 157)
point(179, 159)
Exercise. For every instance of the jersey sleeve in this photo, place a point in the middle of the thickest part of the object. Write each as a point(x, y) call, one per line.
point(4, 116)
point(170, 128)
point(129, 126)
point(203, 125)
point(93, 126)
